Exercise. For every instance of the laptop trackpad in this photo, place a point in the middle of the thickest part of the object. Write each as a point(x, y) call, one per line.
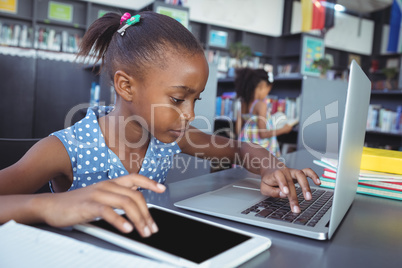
point(249, 183)
point(239, 195)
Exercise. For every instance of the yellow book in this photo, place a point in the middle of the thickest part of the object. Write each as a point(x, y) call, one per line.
point(381, 160)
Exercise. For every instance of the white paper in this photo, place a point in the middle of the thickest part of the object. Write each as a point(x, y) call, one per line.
point(26, 246)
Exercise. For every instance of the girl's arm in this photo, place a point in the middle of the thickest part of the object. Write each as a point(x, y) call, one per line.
point(85, 204)
point(238, 124)
point(277, 180)
point(48, 159)
point(263, 132)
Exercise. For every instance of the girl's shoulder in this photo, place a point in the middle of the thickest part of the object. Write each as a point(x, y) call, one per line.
point(260, 107)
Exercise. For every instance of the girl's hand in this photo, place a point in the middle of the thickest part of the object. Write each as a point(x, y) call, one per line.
point(280, 183)
point(286, 129)
point(99, 200)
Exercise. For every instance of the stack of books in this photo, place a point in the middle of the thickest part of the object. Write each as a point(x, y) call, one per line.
point(380, 174)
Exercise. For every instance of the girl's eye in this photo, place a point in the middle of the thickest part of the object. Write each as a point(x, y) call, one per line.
point(175, 100)
point(197, 99)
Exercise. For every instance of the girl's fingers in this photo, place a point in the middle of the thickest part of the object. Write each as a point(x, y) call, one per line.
point(301, 178)
point(119, 222)
point(310, 173)
point(285, 179)
point(132, 202)
point(136, 181)
point(271, 191)
point(286, 188)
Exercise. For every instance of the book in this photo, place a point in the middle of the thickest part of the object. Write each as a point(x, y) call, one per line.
point(381, 160)
point(367, 190)
point(390, 185)
point(279, 120)
point(331, 164)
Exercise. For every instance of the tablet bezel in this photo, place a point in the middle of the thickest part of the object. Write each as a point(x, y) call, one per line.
point(229, 258)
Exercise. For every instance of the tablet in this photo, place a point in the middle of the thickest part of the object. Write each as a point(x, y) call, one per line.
point(184, 240)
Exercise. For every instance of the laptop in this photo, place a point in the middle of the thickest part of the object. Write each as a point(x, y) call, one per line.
point(242, 201)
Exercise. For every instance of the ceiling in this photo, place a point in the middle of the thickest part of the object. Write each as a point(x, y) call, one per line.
point(365, 6)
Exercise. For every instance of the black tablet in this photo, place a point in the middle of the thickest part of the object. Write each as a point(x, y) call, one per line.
point(184, 240)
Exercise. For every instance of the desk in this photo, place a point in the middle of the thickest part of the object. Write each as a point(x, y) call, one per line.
point(369, 236)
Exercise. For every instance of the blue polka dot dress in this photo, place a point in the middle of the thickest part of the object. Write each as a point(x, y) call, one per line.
point(92, 161)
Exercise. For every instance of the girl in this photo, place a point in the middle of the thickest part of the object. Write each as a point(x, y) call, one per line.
point(159, 71)
point(254, 123)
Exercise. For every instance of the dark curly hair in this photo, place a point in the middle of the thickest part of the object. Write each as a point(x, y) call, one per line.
point(143, 45)
point(246, 82)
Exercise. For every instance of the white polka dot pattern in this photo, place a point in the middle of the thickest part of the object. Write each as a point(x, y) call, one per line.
point(92, 161)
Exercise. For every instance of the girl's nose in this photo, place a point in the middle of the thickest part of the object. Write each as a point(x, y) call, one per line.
point(188, 113)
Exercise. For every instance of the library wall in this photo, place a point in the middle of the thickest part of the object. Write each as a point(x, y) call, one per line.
point(17, 92)
point(256, 16)
point(384, 40)
point(62, 86)
point(29, 100)
point(350, 33)
point(41, 80)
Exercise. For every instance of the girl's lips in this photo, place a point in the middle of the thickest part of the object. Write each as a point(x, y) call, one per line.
point(179, 132)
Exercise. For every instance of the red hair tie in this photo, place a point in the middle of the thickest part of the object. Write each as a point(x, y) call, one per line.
point(129, 21)
point(125, 17)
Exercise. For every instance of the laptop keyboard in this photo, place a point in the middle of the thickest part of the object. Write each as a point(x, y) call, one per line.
point(311, 210)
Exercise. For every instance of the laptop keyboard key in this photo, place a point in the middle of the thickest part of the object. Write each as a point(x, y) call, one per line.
point(263, 213)
point(311, 210)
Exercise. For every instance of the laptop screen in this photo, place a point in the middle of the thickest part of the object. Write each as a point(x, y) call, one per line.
point(351, 145)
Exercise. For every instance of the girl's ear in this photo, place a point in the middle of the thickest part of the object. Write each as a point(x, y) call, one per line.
point(124, 85)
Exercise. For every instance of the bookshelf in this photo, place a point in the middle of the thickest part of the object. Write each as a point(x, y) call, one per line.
point(382, 131)
point(386, 101)
point(37, 56)
point(284, 55)
point(284, 88)
point(28, 71)
point(286, 51)
point(288, 56)
point(34, 26)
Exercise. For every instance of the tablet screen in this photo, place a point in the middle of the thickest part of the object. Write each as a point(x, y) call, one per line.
point(184, 237)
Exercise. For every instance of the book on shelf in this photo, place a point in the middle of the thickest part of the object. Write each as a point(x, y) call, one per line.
point(15, 35)
point(50, 39)
point(225, 105)
point(285, 70)
point(284, 111)
point(385, 120)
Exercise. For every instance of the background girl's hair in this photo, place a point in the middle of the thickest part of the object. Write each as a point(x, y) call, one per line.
point(247, 80)
point(146, 43)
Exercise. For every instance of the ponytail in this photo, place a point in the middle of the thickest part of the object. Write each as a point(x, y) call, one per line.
point(143, 45)
point(97, 39)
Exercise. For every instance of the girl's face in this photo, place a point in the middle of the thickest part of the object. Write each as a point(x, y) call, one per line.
point(262, 90)
point(167, 96)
